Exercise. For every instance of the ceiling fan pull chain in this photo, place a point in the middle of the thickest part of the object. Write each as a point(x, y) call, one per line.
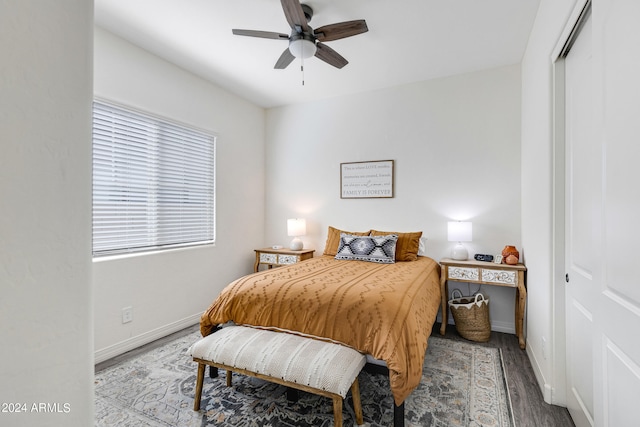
point(302, 69)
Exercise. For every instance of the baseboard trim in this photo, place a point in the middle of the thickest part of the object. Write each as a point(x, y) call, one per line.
point(545, 387)
point(504, 327)
point(142, 339)
point(547, 394)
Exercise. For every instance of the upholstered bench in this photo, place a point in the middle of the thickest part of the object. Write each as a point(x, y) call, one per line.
point(318, 367)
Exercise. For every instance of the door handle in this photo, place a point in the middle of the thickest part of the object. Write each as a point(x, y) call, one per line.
point(566, 277)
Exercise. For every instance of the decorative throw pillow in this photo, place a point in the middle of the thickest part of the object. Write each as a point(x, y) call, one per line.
point(407, 246)
point(422, 248)
point(380, 249)
point(333, 239)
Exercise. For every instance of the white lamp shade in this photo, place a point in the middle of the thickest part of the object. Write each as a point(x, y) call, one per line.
point(459, 231)
point(296, 227)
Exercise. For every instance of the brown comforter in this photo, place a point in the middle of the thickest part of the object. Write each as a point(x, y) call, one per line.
point(386, 310)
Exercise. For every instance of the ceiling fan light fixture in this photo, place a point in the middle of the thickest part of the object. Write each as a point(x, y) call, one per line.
point(302, 48)
point(304, 41)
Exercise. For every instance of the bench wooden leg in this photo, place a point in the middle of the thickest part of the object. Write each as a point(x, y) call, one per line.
point(357, 404)
point(199, 382)
point(229, 378)
point(337, 411)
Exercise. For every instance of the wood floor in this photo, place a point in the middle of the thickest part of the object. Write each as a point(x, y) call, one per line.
point(529, 408)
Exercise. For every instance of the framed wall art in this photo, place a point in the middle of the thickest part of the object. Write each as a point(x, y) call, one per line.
point(366, 180)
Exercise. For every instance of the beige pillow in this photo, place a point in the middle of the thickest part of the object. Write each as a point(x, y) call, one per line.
point(407, 246)
point(333, 239)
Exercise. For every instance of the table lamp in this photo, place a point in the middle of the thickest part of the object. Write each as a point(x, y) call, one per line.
point(296, 227)
point(459, 231)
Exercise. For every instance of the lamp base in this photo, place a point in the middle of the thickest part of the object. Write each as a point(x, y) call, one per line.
point(460, 253)
point(296, 244)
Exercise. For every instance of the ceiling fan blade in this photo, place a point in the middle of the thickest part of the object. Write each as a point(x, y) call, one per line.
point(330, 56)
point(294, 14)
point(261, 34)
point(341, 30)
point(284, 60)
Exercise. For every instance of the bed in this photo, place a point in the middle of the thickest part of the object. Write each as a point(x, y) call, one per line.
point(385, 310)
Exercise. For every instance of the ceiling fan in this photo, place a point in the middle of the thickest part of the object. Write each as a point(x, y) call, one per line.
point(304, 41)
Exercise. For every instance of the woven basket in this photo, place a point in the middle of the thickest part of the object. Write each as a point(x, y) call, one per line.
point(471, 315)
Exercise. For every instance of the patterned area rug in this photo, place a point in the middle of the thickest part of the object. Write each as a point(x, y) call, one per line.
point(462, 385)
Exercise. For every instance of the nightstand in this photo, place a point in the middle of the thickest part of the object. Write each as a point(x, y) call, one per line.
point(485, 273)
point(277, 257)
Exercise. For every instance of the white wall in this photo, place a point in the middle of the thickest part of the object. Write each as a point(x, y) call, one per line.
point(45, 212)
point(456, 146)
point(545, 310)
point(170, 290)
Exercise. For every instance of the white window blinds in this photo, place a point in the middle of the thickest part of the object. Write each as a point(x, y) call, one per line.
point(153, 183)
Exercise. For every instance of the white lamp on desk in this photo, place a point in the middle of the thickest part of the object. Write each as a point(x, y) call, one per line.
point(459, 231)
point(296, 227)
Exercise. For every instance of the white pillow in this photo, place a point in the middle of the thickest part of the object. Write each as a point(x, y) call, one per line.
point(423, 247)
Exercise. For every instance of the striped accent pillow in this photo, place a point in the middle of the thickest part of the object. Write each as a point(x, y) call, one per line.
point(333, 239)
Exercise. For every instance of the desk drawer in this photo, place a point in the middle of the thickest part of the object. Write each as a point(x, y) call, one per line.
point(288, 259)
point(463, 273)
point(269, 258)
point(500, 276)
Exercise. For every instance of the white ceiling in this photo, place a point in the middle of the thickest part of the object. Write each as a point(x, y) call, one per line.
point(407, 41)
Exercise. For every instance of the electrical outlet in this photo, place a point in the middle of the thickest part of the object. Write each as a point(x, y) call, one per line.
point(127, 314)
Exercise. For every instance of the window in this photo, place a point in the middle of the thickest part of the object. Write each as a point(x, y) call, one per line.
point(153, 183)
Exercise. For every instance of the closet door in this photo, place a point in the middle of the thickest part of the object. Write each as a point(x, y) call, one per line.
point(602, 216)
point(581, 195)
point(616, 51)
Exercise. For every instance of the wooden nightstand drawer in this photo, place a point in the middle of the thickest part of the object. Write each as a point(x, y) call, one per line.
point(269, 258)
point(277, 257)
point(288, 259)
point(500, 276)
point(464, 273)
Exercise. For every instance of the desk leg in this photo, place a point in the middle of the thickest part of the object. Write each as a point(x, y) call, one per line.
point(521, 301)
point(444, 291)
point(517, 312)
point(256, 264)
